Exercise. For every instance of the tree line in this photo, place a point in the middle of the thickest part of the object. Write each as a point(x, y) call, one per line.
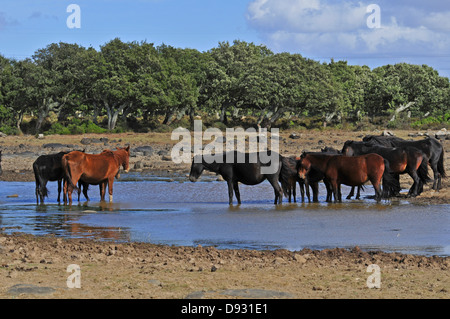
point(138, 82)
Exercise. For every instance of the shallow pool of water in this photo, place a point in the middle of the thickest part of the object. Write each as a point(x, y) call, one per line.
point(151, 209)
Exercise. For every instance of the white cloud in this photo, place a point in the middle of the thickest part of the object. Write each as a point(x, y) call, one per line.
point(330, 28)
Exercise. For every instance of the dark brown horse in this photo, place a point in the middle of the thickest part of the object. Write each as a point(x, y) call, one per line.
point(402, 160)
point(354, 171)
point(430, 146)
point(291, 179)
point(97, 169)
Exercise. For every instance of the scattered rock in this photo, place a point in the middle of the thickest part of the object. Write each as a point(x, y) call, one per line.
point(294, 136)
point(30, 289)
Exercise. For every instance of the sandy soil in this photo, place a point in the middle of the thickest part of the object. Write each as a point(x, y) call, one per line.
point(36, 267)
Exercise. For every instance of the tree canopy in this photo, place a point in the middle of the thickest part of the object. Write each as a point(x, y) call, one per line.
point(137, 82)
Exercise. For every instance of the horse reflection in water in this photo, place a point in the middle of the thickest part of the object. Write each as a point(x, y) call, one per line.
point(95, 169)
point(245, 168)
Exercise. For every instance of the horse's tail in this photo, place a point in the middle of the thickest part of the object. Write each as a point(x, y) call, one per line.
point(440, 164)
point(40, 184)
point(67, 174)
point(285, 177)
point(391, 185)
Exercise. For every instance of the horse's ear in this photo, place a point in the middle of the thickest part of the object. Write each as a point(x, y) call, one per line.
point(127, 148)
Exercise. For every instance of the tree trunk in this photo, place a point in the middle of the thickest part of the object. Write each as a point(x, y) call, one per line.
point(47, 106)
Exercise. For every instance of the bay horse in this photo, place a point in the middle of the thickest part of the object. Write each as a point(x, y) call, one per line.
point(402, 160)
point(48, 168)
point(247, 171)
point(97, 169)
point(354, 171)
point(430, 146)
point(315, 172)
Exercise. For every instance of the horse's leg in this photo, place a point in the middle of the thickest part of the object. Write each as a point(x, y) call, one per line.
point(302, 190)
point(102, 188)
point(59, 190)
point(358, 192)
point(377, 187)
point(352, 192)
point(294, 191)
point(339, 193)
point(85, 191)
point(37, 192)
point(277, 190)
point(65, 191)
point(329, 197)
point(417, 187)
point(230, 192)
point(79, 190)
point(236, 192)
point(110, 188)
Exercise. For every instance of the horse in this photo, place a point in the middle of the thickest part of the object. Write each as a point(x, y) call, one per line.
point(96, 169)
point(49, 168)
point(245, 168)
point(292, 179)
point(402, 160)
point(430, 146)
point(353, 171)
point(315, 172)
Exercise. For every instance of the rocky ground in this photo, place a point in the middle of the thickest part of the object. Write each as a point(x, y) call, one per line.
point(36, 267)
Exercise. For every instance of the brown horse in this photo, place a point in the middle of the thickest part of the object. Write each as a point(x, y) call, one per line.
point(313, 170)
point(97, 169)
point(355, 171)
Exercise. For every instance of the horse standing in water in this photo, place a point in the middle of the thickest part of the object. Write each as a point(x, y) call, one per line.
point(48, 168)
point(292, 179)
point(430, 146)
point(97, 169)
point(354, 171)
point(402, 160)
point(247, 172)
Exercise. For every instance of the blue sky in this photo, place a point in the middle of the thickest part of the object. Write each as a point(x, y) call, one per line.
point(413, 31)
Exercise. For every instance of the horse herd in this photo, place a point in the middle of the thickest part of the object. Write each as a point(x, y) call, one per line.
point(378, 159)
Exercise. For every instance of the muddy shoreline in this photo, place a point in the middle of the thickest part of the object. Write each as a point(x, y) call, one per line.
point(28, 264)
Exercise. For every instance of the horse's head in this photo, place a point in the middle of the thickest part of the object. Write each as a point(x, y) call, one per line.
point(303, 167)
point(125, 158)
point(196, 169)
point(347, 150)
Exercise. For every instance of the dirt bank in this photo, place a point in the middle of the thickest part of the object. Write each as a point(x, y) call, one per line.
point(135, 270)
point(36, 267)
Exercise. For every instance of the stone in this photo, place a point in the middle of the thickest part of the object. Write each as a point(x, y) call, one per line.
point(30, 289)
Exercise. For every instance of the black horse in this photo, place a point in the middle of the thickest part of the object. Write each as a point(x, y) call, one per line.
point(244, 168)
point(402, 160)
point(49, 168)
point(430, 146)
